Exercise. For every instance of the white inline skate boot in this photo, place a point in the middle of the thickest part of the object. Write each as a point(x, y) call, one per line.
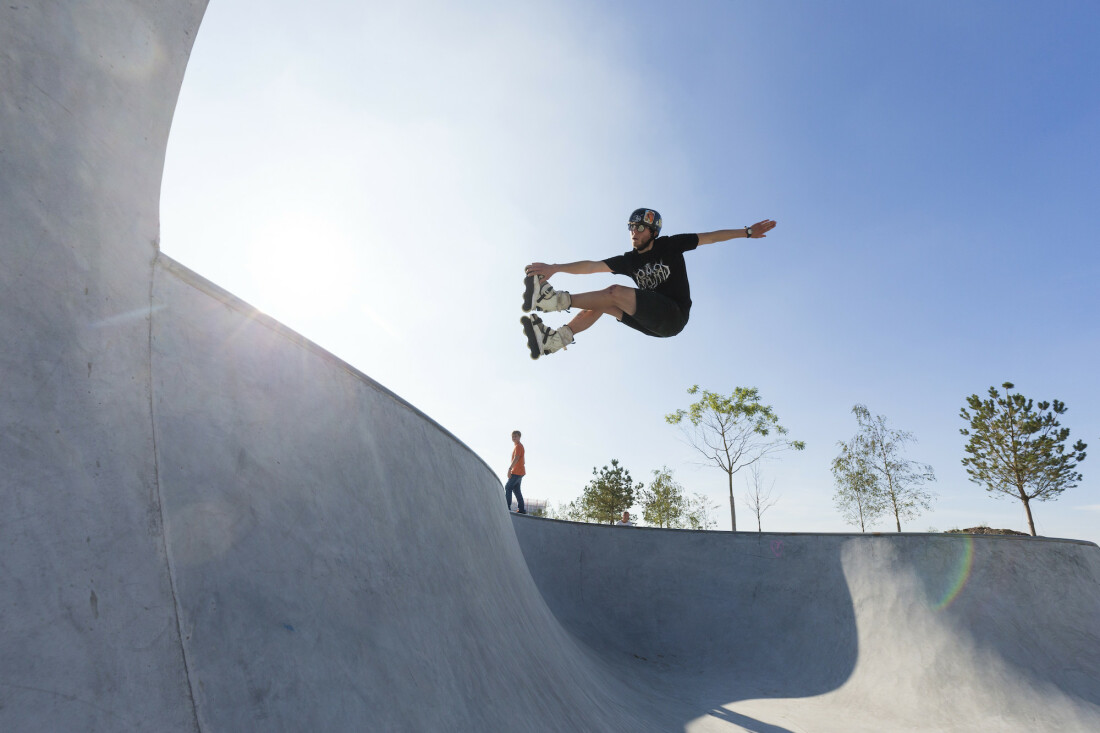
point(539, 295)
point(541, 339)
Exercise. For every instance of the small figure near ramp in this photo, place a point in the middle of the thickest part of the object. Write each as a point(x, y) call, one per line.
point(658, 306)
point(515, 474)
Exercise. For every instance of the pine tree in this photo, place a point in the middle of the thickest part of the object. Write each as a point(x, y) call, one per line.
point(610, 494)
point(1018, 451)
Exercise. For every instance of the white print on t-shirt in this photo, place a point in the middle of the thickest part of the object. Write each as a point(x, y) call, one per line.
point(652, 275)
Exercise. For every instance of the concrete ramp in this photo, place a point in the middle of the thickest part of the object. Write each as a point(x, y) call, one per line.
point(840, 632)
point(341, 562)
point(211, 524)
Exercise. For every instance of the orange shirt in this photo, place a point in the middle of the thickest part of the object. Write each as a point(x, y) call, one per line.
point(517, 460)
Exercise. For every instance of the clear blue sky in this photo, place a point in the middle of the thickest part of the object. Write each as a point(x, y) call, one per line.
point(376, 175)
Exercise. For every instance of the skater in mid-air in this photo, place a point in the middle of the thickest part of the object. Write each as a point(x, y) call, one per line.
point(658, 306)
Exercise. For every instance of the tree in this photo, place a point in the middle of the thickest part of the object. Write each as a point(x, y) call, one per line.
point(899, 481)
point(1017, 451)
point(758, 499)
point(608, 495)
point(571, 512)
point(732, 432)
point(857, 496)
point(663, 501)
point(701, 513)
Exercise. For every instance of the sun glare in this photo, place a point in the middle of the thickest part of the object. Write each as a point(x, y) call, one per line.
point(302, 269)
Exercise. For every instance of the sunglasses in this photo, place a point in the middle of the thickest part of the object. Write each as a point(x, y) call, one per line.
point(636, 226)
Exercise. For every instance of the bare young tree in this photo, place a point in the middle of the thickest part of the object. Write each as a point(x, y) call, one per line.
point(758, 499)
point(732, 432)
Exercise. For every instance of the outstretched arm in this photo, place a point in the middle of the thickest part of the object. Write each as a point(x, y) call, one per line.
point(584, 267)
point(759, 230)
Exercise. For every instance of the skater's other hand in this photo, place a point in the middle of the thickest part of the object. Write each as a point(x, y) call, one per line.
point(761, 228)
point(541, 269)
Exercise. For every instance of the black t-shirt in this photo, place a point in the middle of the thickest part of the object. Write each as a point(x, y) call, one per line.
point(661, 268)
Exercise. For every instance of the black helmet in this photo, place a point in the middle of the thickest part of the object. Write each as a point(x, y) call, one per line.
point(649, 218)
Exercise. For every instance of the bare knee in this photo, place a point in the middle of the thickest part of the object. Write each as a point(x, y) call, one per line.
point(623, 297)
point(618, 292)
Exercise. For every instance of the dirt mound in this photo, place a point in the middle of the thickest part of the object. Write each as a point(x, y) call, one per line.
point(985, 530)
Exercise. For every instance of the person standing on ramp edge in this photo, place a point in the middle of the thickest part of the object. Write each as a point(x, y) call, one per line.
point(659, 306)
point(516, 472)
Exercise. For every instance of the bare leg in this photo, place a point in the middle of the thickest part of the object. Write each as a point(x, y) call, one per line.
point(583, 321)
point(614, 301)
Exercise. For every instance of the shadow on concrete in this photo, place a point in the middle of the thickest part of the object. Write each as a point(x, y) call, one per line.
point(749, 724)
point(704, 618)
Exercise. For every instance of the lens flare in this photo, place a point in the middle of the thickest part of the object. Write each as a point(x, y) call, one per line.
point(961, 574)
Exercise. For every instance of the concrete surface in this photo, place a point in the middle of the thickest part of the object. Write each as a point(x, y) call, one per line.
point(210, 524)
point(834, 632)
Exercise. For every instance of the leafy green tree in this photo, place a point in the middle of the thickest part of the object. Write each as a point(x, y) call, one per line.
point(858, 496)
point(1018, 451)
point(701, 512)
point(663, 502)
point(571, 512)
point(732, 432)
point(608, 495)
point(898, 480)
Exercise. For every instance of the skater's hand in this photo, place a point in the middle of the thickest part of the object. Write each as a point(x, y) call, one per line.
point(541, 269)
point(761, 228)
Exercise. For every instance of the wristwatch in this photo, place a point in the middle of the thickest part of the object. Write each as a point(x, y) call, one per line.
point(748, 232)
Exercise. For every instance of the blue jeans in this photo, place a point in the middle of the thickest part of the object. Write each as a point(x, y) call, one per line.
point(513, 487)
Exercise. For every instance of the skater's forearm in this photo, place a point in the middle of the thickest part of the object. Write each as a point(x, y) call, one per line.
point(722, 235)
point(759, 230)
point(584, 267)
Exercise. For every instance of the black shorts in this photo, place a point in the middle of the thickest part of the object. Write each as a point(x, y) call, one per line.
point(656, 315)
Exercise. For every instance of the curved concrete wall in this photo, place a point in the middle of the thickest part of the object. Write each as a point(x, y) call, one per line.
point(88, 631)
point(340, 561)
point(210, 523)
